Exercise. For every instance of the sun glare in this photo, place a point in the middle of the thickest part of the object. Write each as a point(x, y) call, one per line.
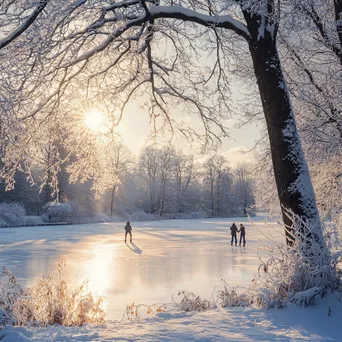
point(95, 120)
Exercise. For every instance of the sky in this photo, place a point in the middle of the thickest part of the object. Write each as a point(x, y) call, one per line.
point(135, 130)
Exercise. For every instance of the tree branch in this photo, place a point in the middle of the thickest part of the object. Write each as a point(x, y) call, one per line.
point(25, 25)
point(185, 14)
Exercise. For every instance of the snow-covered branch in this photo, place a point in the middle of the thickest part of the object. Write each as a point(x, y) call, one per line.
point(24, 25)
point(181, 13)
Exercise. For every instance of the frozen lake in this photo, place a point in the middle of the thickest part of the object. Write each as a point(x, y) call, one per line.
point(166, 256)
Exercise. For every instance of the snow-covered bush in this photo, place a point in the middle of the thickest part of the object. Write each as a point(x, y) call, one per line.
point(293, 271)
point(229, 296)
point(307, 297)
point(134, 311)
point(10, 292)
point(184, 216)
point(12, 215)
point(50, 301)
point(140, 216)
point(57, 212)
point(33, 221)
point(100, 218)
point(191, 302)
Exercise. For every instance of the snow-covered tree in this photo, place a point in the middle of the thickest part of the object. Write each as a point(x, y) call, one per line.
point(214, 171)
point(118, 163)
point(184, 174)
point(244, 186)
point(149, 167)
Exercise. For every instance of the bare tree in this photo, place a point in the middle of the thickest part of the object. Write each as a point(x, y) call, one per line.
point(118, 163)
point(214, 170)
point(149, 167)
point(244, 182)
point(166, 170)
point(184, 174)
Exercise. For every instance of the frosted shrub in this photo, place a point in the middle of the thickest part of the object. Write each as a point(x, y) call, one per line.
point(229, 297)
point(184, 216)
point(305, 268)
point(57, 212)
point(50, 301)
point(140, 216)
point(10, 292)
point(12, 215)
point(100, 218)
point(191, 302)
point(307, 297)
point(33, 221)
point(134, 311)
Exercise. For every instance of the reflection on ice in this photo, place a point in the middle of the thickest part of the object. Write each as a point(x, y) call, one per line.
point(101, 270)
point(166, 256)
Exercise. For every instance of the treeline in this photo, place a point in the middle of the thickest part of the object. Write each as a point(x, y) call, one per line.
point(160, 182)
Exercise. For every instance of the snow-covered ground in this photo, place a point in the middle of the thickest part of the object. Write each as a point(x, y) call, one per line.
point(167, 256)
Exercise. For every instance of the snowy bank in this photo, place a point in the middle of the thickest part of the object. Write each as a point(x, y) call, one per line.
point(224, 324)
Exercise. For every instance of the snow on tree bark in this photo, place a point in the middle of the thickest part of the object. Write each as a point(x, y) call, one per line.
point(292, 176)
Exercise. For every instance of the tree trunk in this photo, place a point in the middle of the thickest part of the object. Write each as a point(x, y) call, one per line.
point(218, 200)
point(212, 197)
point(290, 169)
point(152, 207)
point(112, 201)
point(162, 198)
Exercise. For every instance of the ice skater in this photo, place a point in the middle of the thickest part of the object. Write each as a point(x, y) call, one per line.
point(128, 230)
point(233, 230)
point(242, 232)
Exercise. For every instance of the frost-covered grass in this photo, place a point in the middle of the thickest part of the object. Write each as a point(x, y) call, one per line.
point(295, 323)
point(51, 300)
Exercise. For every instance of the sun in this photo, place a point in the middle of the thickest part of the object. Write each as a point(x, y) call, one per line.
point(95, 120)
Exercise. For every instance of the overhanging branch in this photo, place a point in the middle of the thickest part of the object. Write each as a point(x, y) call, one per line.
point(25, 25)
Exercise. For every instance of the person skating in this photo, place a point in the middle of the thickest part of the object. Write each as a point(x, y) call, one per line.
point(242, 232)
point(128, 230)
point(233, 230)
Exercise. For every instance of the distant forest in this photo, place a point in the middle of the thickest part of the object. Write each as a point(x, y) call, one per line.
point(160, 182)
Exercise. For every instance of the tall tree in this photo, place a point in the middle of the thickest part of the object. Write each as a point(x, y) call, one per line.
point(184, 174)
point(166, 171)
point(118, 163)
point(244, 186)
point(149, 167)
point(214, 170)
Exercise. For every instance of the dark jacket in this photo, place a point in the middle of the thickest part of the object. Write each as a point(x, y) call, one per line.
point(242, 230)
point(128, 227)
point(233, 229)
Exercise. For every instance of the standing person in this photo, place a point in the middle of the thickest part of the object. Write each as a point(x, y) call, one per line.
point(233, 230)
point(242, 232)
point(128, 229)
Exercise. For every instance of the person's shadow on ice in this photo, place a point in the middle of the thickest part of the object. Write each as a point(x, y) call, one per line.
point(135, 248)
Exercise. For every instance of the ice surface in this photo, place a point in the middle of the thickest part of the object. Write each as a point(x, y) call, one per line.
point(165, 257)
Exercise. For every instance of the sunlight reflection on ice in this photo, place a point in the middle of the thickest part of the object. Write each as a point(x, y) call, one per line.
point(100, 268)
